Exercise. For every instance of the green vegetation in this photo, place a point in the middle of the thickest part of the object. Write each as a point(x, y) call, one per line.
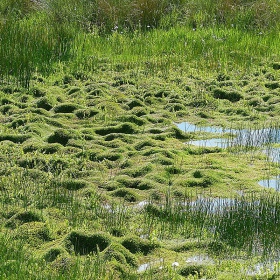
point(96, 179)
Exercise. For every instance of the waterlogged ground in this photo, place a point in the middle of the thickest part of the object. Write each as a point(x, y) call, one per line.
point(98, 161)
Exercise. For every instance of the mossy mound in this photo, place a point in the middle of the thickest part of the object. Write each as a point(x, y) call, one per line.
point(15, 138)
point(51, 148)
point(53, 253)
point(197, 270)
point(60, 136)
point(110, 155)
point(37, 92)
point(84, 243)
point(119, 253)
point(126, 194)
point(33, 233)
point(132, 119)
point(71, 184)
point(65, 108)
point(86, 113)
point(22, 218)
point(127, 128)
point(135, 183)
point(44, 103)
point(232, 96)
point(135, 103)
point(137, 245)
point(175, 132)
point(137, 172)
point(144, 143)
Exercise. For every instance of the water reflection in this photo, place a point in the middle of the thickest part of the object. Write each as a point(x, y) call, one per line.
point(240, 137)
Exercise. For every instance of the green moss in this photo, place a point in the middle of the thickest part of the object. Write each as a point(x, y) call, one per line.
point(84, 243)
point(137, 245)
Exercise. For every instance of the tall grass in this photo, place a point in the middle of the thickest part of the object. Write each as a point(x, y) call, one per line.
point(247, 223)
point(215, 34)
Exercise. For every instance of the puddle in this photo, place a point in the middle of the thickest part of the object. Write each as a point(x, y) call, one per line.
point(273, 183)
point(257, 138)
point(242, 137)
point(145, 266)
point(189, 127)
point(141, 204)
point(263, 268)
point(273, 154)
point(200, 259)
point(210, 143)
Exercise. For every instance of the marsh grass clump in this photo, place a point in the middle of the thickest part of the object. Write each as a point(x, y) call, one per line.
point(84, 243)
point(37, 92)
point(272, 85)
point(109, 155)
